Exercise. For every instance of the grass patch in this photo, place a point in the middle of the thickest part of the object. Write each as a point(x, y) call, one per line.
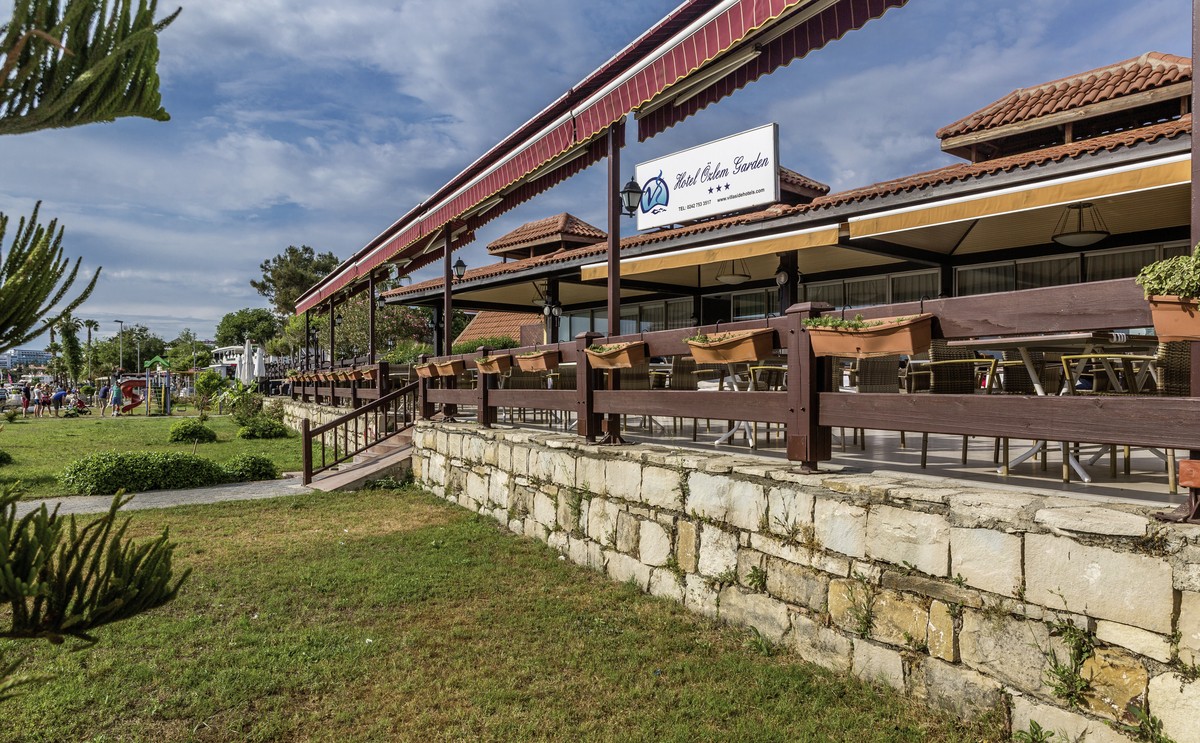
point(388, 615)
point(42, 447)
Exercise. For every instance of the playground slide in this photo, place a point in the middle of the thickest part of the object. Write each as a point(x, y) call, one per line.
point(128, 391)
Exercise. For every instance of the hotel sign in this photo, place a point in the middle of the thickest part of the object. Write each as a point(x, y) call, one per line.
point(738, 172)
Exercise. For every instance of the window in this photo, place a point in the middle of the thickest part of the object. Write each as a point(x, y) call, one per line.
point(1118, 265)
point(829, 292)
point(1051, 272)
point(679, 314)
point(750, 306)
point(866, 292)
point(652, 317)
point(986, 279)
point(912, 287)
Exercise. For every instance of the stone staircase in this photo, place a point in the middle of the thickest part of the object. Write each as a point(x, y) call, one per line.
point(390, 458)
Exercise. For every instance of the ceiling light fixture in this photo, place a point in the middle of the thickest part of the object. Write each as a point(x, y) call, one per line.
point(1080, 225)
point(733, 272)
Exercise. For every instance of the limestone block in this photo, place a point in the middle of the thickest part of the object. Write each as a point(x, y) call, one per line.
point(901, 536)
point(589, 475)
point(499, 485)
point(577, 551)
point(654, 544)
point(699, 596)
point(934, 588)
point(490, 453)
point(850, 602)
point(1139, 641)
point(952, 688)
point(1118, 679)
point(504, 455)
point(788, 508)
point(1186, 564)
point(1124, 587)
point(520, 460)
point(923, 494)
point(1066, 726)
point(623, 478)
point(994, 509)
point(736, 502)
point(545, 510)
point(818, 644)
point(797, 585)
point(554, 466)
point(1092, 520)
point(557, 541)
point(535, 530)
point(686, 545)
point(986, 559)
point(1177, 704)
point(1008, 649)
point(565, 514)
point(628, 533)
point(841, 527)
point(623, 568)
point(436, 471)
point(662, 488)
point(791, 552)
point(877, 664)
point(718, 551)
point(869, 485)
point(747, 560)
point(750, 609)
point(899, 619)
point(666, 584)
point(602, 521)
point(473, 447)
point(940, 632)
point(1189, 628)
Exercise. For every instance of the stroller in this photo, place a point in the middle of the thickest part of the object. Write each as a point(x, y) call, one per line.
point(79, 406)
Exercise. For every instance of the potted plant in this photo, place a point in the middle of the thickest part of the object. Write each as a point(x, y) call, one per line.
point(732, 346)
point(533, 361)
point(426, 371)
point(371, 373)
point(354, 375)
point(1172, 287)
point(861, 339)
point(451, 367)
point(493, 364)
point(616, 355)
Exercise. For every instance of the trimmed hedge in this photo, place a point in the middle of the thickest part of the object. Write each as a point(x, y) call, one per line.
point(5, 458)
point(262, 427)
point(189, 430)
point(248, 467)
point(106, 473)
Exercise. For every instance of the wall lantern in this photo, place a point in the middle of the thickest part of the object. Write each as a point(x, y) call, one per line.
point(631, 196)
point(460, 269)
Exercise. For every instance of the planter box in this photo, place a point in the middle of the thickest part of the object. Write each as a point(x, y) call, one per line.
point(355, 375)
point(1189, 473)
point(734, 346)
point(617, 355)
point(426, 371)
point(494, 364)
point(1175, 318)
point(910, 336)
point(370, 374)
point(541, 361)
point(451, 368)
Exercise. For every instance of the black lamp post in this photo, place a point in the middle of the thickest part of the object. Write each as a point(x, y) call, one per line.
point(631, 196)
point(460, 269)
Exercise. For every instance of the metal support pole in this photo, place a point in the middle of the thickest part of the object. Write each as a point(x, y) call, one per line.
point(789, 292)
point(616, 135)
point(449, 383)
point(307, 347)
point(371, 319)
point(552, 320)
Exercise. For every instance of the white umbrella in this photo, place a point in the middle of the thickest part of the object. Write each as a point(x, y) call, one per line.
point(260, 364)
point(245, 368)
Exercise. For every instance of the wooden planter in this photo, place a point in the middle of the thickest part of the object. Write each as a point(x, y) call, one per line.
point(370, 374)
point(734, 346)
point(618, 355)
point(538, 361)
point(910, 335)
point(451, 368)
point(355, 375)
point(494, 364)
point(1175, 318)
point(426, 371)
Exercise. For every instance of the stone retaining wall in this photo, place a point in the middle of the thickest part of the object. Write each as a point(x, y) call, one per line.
point(318, 415)
point(966, 598)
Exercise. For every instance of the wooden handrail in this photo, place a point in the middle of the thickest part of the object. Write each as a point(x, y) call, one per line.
point(358, 430)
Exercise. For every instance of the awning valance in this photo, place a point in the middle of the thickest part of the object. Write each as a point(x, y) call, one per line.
point(813, 237)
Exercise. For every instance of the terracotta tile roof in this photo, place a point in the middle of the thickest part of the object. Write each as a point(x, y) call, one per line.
point(799, 180)
point(1140, 74)
point(967, 171)
point(560, 228)
point(492, 324)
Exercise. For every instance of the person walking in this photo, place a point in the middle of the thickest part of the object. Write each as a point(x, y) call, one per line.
point(25, 393)
point(116, 398)
point(103, 399)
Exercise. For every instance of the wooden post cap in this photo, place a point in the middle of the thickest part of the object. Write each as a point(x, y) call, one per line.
point(1189, 473)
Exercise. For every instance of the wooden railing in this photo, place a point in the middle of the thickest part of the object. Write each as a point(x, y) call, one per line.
point(372, 384)
point(810, 408)
point(340, 440)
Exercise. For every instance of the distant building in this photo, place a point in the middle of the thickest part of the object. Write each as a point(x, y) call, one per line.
point(23, 357)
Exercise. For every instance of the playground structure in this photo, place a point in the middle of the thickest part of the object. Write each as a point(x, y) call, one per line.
point(130, 390)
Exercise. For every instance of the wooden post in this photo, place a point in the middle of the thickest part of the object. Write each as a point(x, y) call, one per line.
point(483, 383)
point(307, 365)
point(586, 421)
point(616, 135)
point(306, 450)
point(807, 441)
point(371, 318)
point(382, 383)
point(424, 405)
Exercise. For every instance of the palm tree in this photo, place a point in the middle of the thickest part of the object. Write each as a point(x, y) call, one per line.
point(90, 325)
point(68, 330)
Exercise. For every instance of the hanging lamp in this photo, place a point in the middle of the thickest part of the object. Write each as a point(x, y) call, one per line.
point(1080, 225)
point(733, 272)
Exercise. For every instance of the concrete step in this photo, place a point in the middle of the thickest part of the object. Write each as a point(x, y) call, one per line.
point(353, 475)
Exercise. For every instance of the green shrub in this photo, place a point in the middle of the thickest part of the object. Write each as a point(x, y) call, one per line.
point(247, 467)
point(262, 427)
point(189, 430)
point(5, 458)
point(274, 410)
point(475, 345)
point(88, 390)
point(407, 352)
point(106, 473)
point(246, 408)
point(10, 416)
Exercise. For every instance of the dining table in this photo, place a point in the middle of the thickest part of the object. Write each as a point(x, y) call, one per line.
point(1083, 344)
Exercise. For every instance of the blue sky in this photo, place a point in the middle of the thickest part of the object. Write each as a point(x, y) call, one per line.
point(303, 122)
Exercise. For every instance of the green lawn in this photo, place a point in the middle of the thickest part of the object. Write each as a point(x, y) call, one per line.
point(383, 615)
point(42, 447)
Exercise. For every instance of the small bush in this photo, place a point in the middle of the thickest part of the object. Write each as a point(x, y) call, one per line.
point(263, 427)
point(189, 430)
point(88, 390)
point(5, 458)
point(248, 407)
point(407, 352)
point(10, 416)
point(274, 410)
point(106, 473)
point(475, 345)
point(247, 467)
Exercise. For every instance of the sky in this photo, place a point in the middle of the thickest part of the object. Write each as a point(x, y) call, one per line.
point(298, 122)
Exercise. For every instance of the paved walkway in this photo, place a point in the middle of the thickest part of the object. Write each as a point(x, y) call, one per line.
point(169, 498)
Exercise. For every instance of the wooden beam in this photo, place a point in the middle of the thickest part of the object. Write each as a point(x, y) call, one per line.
point(876, 246)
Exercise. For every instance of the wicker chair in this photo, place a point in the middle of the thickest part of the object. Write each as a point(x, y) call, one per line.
point(953, 371)
point(1174, 362)
point(880, 374)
